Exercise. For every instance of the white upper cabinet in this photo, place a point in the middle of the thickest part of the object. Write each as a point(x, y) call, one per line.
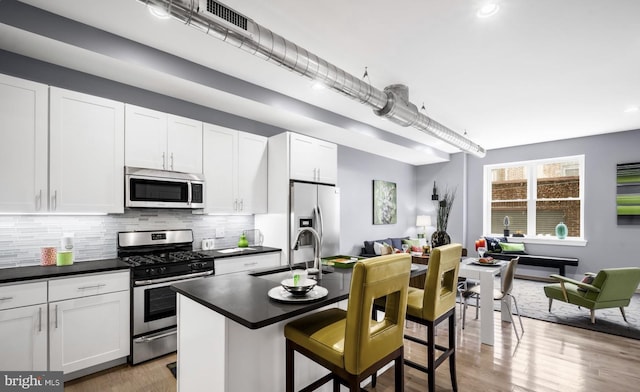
point(145, 138)
point(252, 172)
point(23, 146)
point(235, 169)
point(313, 160)
point(86, 157)
point(157, 140)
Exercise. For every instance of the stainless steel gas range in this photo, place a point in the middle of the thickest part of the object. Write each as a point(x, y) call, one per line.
point(158, 259)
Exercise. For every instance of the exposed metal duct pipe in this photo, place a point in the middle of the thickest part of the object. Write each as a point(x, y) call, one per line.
point(216, 19)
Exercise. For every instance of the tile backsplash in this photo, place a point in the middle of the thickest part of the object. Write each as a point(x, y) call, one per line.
point(95, 237)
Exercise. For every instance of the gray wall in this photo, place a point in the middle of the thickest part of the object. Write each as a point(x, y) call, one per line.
point(356, 172)
point(447, 175)
point(608, 245)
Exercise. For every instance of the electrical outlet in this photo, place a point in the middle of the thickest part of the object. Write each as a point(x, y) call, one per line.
point(219, 233)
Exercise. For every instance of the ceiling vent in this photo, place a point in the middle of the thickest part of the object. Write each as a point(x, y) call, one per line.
point(228, 16)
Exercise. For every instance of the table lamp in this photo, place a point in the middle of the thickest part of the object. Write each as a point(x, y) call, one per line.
point(423, 221)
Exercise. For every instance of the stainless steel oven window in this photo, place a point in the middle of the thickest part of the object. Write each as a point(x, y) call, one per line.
point(140, 311)
point(159, 303)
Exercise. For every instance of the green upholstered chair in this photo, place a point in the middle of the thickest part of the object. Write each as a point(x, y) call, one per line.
point(349, 343)
point(609, 288)
point(431, 306)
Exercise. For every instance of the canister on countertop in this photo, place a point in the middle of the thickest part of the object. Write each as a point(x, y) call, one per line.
point(66, 245)
point(48, 255)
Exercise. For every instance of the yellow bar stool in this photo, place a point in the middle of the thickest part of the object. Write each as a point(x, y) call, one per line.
point(349, 343)
point(433, 305)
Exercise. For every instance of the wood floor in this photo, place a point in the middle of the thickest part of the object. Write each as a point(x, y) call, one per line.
point(550, 357)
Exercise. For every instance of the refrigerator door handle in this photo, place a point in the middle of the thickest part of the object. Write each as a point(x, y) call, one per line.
point(318, 212)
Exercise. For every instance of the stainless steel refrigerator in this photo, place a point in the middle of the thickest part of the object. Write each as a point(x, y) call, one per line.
point(316, 206)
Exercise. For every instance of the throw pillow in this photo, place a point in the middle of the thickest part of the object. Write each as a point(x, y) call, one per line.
point(588, 279)
point(493, 243)
point(397, 242)
point(386, 250)
point(416, 249)
point(508, 247)
point(411, 243)
point(377, 248)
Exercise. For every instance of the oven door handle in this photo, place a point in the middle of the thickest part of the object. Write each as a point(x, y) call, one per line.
point(171, 279)
point(151, 338)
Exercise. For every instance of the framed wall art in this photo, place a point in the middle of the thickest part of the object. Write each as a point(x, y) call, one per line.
point(385, 209)
point(628, 193)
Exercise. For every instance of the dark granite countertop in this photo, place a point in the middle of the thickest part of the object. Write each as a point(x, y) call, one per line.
point(20, 274)
point(243, 297)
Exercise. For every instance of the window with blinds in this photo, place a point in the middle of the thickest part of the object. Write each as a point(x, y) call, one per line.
point(535, 196)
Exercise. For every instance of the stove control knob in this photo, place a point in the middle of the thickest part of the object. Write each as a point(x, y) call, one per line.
point(153, 271)
point(163, 269)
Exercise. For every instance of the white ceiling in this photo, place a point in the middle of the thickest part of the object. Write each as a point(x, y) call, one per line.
point(536, 71)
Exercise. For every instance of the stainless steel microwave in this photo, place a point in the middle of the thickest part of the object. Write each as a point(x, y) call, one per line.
point(163, 189)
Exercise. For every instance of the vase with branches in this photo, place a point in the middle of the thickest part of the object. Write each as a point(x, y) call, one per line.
point(440, 236)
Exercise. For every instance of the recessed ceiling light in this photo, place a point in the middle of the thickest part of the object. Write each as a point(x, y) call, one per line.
point(488, 10)
point(158, 12)
point(631, 109)
point(318, 85)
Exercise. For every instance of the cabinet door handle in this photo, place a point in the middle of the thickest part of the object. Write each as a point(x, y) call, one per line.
point(250, 264)
point(96, 286)
point(318, 178)
point(40, 319)
point(172, 161)
point(56, 310)
point(6, 298)
point(235, 205)
point(39, 200)
point(163, 164)
point(241, 204)
point(54, 200)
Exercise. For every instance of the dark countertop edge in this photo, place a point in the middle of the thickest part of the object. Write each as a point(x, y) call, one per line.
point(215, 253)
point(304, 308)
point(22, 274)
point(265, 322)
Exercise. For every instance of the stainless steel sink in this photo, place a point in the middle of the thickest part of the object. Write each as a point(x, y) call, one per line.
point(233, 250)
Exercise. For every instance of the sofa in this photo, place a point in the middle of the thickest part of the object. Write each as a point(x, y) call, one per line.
point(394, 242)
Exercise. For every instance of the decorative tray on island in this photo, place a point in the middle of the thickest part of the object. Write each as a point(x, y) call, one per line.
point(281, 295)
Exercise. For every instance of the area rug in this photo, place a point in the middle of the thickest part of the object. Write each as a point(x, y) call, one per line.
point(534, 304)
point(173, 366)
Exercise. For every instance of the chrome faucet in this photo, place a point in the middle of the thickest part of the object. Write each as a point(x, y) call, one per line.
point(316, 251)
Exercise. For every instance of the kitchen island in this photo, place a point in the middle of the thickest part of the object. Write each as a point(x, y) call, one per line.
point(231, 334)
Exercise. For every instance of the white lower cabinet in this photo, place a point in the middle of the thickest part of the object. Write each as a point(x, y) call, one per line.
point(23, 338)
point(227, 265)
point(23, 327)
point(88, 331)
point(88, 320)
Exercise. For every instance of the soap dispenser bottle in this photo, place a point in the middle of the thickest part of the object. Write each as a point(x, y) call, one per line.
point(243, 242)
